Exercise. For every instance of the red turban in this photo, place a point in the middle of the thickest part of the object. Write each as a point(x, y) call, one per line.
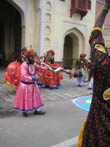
point(31, 53)
point(24, 49)
point(51, 51)
point(82, 55)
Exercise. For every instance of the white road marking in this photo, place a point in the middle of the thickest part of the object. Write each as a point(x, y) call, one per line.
point(67, 143)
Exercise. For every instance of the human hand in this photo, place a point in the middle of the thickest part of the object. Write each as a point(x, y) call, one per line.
point(107, 4)
point(36, 78)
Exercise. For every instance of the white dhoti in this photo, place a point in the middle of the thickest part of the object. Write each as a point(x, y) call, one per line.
point(91, 83)
point(79, 80)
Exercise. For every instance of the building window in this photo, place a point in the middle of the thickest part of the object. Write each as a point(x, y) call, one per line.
point(47, 30)
point(48, 6)
point(47, 42)
point(48, 18)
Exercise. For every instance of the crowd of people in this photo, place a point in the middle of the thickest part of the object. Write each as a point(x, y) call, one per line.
point(30, 71)
point(27, 73)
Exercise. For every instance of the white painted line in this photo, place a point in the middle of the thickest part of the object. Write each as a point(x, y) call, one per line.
point(67, 143)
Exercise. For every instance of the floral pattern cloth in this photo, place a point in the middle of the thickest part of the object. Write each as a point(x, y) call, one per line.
point(12, 74)
point(97, 128)
point(50, 78)
point(81, 63)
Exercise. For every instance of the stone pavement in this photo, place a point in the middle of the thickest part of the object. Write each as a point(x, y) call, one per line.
point(67, 91)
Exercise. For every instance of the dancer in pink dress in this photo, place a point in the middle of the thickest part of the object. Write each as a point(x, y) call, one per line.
point(28, 96)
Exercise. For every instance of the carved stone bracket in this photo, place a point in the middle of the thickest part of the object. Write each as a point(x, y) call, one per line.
point(80, 7)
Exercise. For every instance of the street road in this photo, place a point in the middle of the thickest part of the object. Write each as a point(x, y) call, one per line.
point(59, 127)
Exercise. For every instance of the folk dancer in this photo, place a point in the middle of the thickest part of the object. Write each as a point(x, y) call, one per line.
point(80, 66)
point(96, 130)
point(49, 58)
point(28, 96)
point(49, 78)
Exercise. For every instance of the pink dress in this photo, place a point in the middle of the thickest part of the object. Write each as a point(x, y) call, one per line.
point(28, 94)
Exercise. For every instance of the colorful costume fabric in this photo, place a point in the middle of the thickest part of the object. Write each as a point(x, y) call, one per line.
point(28, 95)
point(12, 74)
point(97, 127)
point(81, 63)
point(50, 78)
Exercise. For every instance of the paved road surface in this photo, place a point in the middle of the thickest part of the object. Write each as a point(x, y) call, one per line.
point(60, 126)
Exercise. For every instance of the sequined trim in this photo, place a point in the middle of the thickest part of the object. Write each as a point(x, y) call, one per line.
point(106, 94)
point(9, 84)
point(96, 28)
point(100, 48)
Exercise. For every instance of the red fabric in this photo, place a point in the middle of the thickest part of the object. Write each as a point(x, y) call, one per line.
point(31, 53)
point(82, 55)
point(12, 73)
point(49, 77)
point(51, 51)
point(37, 61)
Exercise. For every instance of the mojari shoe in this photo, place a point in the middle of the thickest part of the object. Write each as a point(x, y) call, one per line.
point(39, 112)
point(89, 88)
point(80, 85)
point(25, 114)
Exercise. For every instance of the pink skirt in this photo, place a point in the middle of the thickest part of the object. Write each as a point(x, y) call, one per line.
point(28, 97)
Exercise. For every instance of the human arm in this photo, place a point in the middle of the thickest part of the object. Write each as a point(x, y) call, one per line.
point(24, 73)
point(98, 52)
point(101, 18)
point(96, 34)
point(40, 68)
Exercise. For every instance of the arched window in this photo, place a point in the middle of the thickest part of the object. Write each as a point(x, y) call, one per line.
point(48, 6)
point(47, 30)
point(47, 42)
point(48, 18)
